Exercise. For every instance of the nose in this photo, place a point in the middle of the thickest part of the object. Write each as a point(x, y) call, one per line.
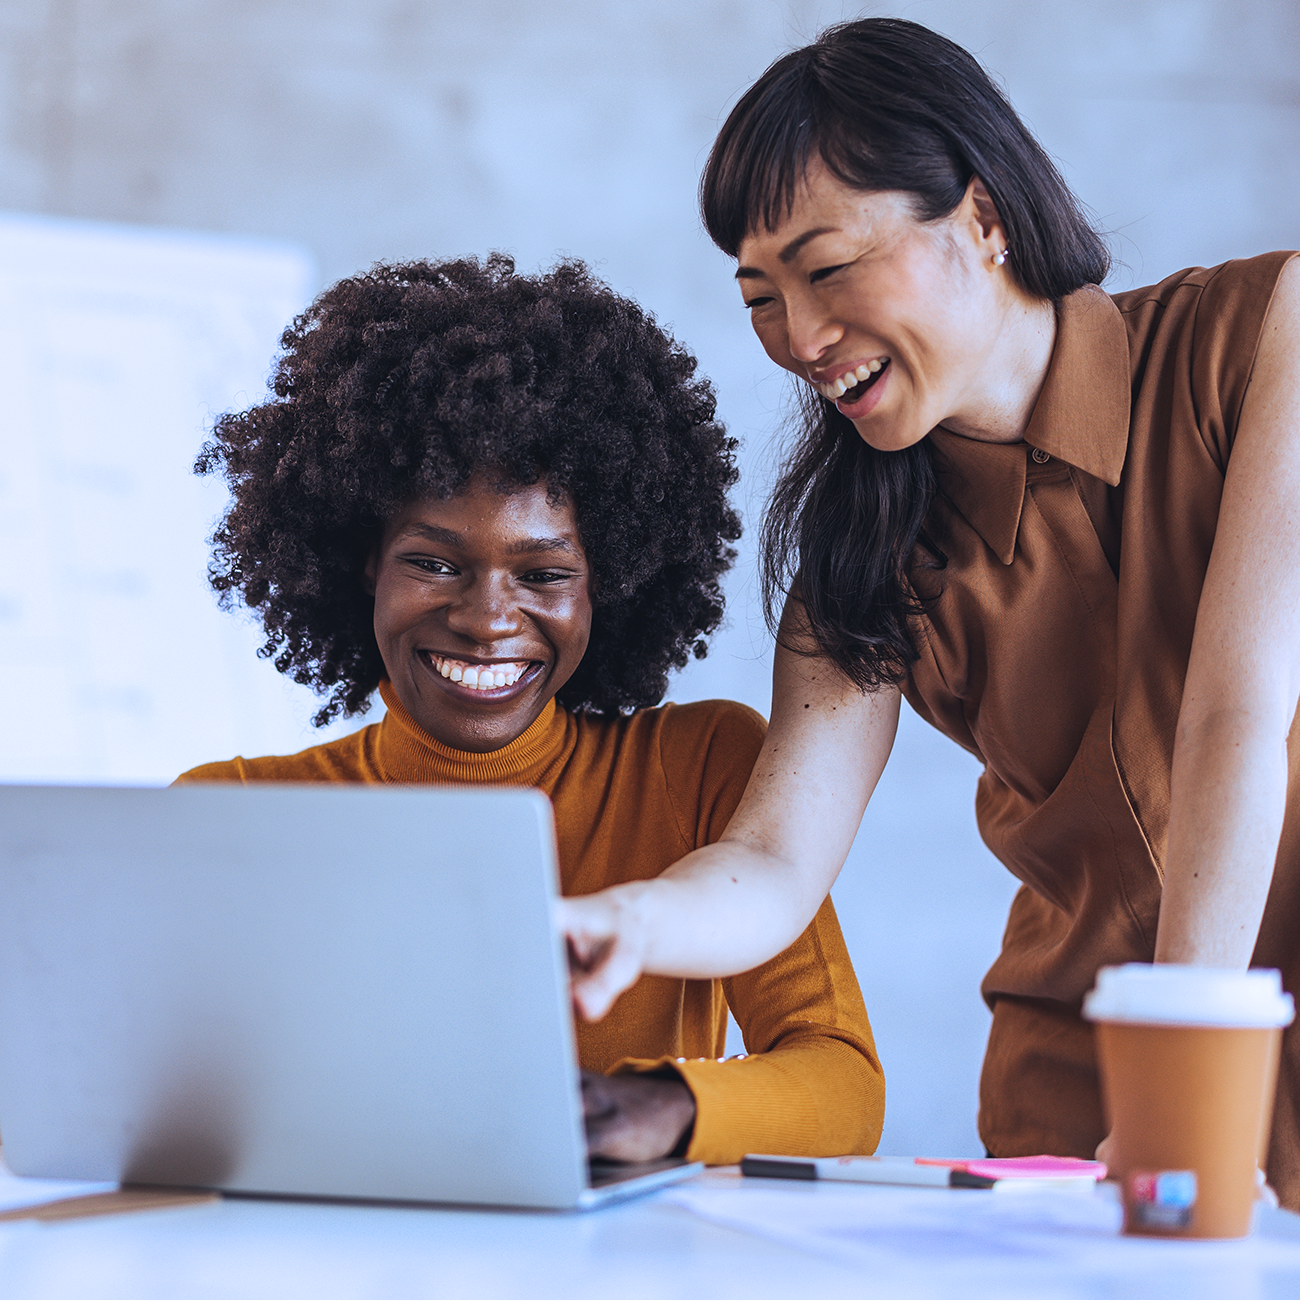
point(485, 610)
point(810, 331)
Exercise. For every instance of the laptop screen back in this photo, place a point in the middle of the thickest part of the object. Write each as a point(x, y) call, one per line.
point(321, 990)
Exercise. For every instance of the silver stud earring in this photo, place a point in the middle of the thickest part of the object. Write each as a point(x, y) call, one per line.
point(999, 259)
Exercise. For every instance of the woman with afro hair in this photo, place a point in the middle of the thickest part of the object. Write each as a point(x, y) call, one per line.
point(501, 501)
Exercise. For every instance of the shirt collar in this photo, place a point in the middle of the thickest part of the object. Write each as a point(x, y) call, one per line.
point(1081, 417)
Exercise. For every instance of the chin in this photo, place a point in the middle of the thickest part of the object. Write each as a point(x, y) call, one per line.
point(885, 439)
point(470, 740)
point(488, 731)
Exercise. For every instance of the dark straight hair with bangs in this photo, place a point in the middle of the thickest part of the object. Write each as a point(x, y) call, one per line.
point(886, 104)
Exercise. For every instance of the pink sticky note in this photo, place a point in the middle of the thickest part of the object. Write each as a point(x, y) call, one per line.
point(1024, 1167)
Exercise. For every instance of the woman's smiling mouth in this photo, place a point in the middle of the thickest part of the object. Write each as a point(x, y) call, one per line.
point(493, 681)
point(852, 383)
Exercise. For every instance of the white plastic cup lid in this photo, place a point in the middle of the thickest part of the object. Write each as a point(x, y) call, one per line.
point(1168, 994)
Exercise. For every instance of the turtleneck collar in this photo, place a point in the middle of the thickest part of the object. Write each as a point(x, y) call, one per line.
point(407, 754)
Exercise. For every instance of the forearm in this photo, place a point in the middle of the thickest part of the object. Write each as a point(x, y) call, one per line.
point(1228, 800)
point(732, 905)
point(718, 911)
point(729, 906)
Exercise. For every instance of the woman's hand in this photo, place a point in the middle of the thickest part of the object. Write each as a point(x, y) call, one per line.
point(1229, 780)
point(635, 1117)
point(733, 905)
point(606, 943)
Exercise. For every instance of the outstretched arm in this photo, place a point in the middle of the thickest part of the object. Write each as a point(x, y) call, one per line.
point(731, 905)
point(1229, 781)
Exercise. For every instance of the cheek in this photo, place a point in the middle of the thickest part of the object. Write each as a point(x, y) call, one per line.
point(562, 622)
point(396, 608)
point(383, 606)
point(572, 626)
point(579, 629)
point(775, 341)
point(945, 321)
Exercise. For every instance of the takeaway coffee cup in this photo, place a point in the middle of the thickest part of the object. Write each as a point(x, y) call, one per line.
point(1188, 1060)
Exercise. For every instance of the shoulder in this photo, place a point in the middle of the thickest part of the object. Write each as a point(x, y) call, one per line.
point(1218, 308)
point(707, 751)
point(697, 745)
point(1240, 280)
point(718, 731)
point(710, 731)
point(681, 765)
point(1197, 333)
point(337, 760)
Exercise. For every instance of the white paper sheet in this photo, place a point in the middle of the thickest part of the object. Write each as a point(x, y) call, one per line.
point(933, 1239)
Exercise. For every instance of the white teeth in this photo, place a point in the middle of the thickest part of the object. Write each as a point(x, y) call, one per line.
point(484, 677)
point(836, 388)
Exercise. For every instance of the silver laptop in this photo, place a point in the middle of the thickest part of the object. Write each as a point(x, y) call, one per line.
point(336, 991)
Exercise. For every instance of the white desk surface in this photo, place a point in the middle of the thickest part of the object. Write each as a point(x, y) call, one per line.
point(874, 1243)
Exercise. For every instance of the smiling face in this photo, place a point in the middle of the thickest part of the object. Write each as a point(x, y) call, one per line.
point(904, 324)
point(482, 610)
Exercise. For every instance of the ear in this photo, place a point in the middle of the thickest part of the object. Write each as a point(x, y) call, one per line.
point(978, 207)
point(370, 576)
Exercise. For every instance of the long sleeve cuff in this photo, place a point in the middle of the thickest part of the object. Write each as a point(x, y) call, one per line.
point(762, 1104)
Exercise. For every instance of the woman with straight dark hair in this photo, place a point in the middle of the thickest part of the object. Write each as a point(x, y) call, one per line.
point(1062, 523)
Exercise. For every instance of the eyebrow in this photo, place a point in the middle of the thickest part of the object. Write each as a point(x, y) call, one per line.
point(534, 545)
point(524, 546)
point(787, 254)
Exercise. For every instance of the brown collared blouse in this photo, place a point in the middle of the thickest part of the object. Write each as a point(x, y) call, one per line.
point(1056, 653)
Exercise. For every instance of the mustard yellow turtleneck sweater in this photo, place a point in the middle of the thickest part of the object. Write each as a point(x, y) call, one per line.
point(631, 796)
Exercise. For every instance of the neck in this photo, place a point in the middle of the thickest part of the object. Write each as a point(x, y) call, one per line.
point(409, 754)
point(1013, 370)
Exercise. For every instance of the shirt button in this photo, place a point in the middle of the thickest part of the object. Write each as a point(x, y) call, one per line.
point(1040, 456)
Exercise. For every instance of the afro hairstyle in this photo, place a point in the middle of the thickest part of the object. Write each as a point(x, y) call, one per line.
point(407, 381)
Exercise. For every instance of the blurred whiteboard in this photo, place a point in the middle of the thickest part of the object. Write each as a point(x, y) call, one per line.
point(118, 346)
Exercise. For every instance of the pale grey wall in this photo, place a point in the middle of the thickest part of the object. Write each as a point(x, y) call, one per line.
point(399, 128)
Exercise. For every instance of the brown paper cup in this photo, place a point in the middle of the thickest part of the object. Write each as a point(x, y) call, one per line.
point(1188, 1061)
